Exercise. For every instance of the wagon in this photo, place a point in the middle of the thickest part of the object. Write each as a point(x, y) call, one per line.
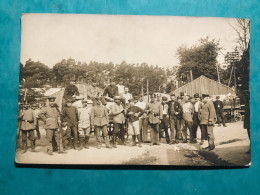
point(233, 110)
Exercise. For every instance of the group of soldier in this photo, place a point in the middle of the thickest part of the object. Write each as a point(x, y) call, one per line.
point(71, 127)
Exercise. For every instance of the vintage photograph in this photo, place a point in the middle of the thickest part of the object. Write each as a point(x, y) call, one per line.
point(134, 90)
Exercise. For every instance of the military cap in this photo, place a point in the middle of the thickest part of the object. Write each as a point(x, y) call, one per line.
point(178, 97)
point(205, 95)
point(51, 99)
point(173, 94)
point(196, 95)
point(117, 97)
point(181, 93)
point(69, 100)
point(153, 96)
point(164, 98)
point(131, 100)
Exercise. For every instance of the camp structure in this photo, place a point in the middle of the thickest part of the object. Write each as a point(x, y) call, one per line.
point(204, 85)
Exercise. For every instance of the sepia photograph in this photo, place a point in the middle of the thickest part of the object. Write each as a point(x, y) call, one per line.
point(133, 90)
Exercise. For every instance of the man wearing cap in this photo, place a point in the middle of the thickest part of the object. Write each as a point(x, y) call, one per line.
point(175, 114)
point(84, 114)
point(70, 90)
point(165, 120)
point(159, 96)
point(118, 113)
point(28, 124)
point(219, 111)
point(126, 96)
point(99, 119)
point(93, 92)
point(196, 121)
point(133, 114)
point(207, 117)
point(111, 91)
point(70, 114)
point(154, 111)
point(51, 119)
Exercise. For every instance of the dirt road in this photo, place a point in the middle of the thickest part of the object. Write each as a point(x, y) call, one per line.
point(231, 142)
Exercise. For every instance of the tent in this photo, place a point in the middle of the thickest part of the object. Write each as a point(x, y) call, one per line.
point(204, 85)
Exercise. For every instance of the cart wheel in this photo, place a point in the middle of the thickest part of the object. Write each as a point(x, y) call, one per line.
point(238, 117)
point(227, 118)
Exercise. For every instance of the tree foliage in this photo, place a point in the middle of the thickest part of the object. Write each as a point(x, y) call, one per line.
point(201, 59)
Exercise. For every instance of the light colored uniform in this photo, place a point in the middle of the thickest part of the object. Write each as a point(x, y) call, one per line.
point(84, 115)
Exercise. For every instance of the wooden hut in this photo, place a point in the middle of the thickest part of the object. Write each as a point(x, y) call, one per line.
point(204, 85)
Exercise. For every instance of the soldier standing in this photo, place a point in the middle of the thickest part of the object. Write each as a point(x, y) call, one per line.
point(99, 119)
point(51, 119)
point(219, 111)
point(70, 91)
point(207, 117)
point(196, 121)
point(154, 110)
point(133, 113)
point(175, 114)
point(187, 113)
point(84, 114)
point(117, 111)
point(28, 124)
point(165, 121)
point(70, 114)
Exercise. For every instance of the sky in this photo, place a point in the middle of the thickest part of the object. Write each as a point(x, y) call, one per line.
point(50, 38)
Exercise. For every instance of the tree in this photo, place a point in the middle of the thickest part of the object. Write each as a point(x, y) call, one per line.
point(35, 74)
point(201, 59)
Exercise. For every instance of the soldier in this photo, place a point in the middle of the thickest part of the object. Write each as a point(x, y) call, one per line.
point(219, 111)
point(84, 114)
point(51, 119)
point(143, 124)
point(111, 91)
point(99, 119)
point(175, 114)
point(70, 114)
point(126, 96)
point(133, 113)
point(70, 91)
point(165, 121)
point(93, 92)
point(118, 113)
point(207, 117)
point(187, 113)
point(28, 124)
point(196, 121)
point(154, 110)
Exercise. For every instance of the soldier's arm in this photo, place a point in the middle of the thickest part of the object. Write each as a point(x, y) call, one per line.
point(42, 114)
point(212, 113)
point(92, 116)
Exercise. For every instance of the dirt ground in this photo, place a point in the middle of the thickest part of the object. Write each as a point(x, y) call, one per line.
point(231, 142)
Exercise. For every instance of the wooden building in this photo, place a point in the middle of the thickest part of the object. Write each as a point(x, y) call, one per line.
point(204, 85)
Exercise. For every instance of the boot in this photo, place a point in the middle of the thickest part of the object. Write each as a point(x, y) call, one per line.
point(134, 143)
point(24, 145)
point(81, 140)
point(114, 141)
point(86, 142)
point(33, 146)
point(139, 141)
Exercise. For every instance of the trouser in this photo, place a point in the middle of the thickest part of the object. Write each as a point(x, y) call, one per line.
point(187, 124)
point(31, 137)
point(119, 130)
point(145, 130)
point(164, 125)
point(174, 125)
point(52, 134)
point(72, 129)
point(104, 134)
point(219, 114)
point(154, 133)
point(209, 135)
point(179, 126)
point(195, 125)
point(203, 132)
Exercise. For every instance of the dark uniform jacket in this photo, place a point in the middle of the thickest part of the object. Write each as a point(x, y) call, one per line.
point(111, 91)
point(135, 110)
point(218, 105)
point(70, 90)
point(70, 114)
point(175, 109)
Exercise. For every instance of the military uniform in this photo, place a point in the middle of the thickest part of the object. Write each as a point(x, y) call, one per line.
point(99, 119)
point(111, 91)
point(154, 110)
point(51, 119)
point(117, 111)
point(175, 114)
point(84, 125)
point(207, 117)
point(165, 121)
point(28, 125)
point(69, 92)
